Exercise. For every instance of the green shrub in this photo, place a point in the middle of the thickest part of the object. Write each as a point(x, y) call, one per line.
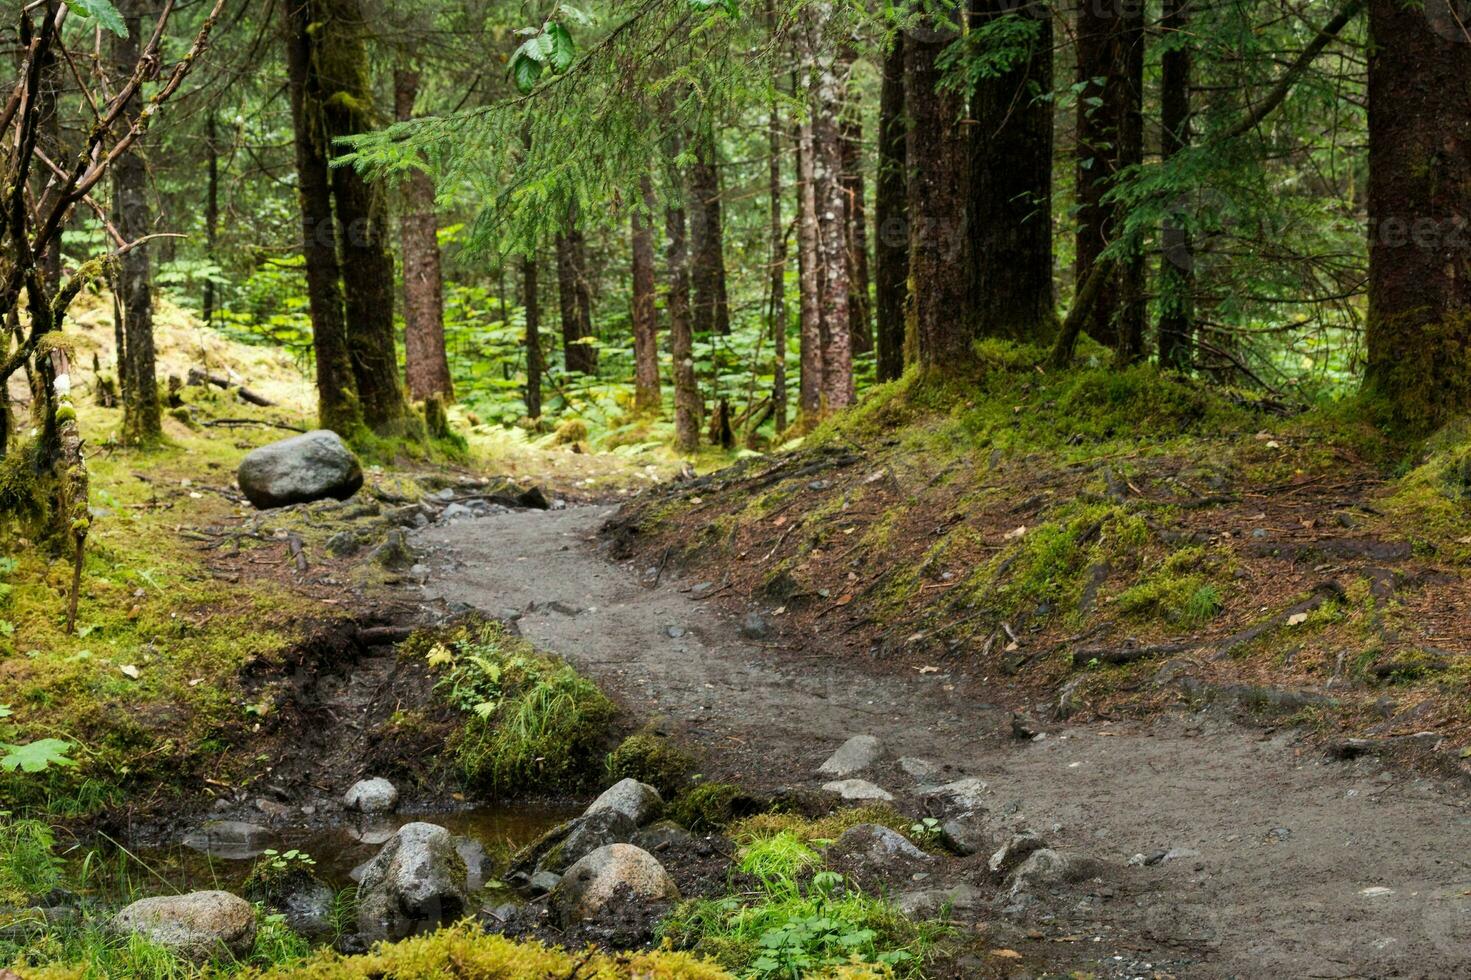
point(712, 806)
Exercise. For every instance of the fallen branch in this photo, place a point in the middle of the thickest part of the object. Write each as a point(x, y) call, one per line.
point(236, 423)
point(199, 378)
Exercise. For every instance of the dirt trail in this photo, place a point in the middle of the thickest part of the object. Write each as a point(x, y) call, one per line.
point(1305, 867)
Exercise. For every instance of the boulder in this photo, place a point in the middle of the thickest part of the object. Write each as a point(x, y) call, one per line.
point(638, 801)
point(854, 755)
point(857, 789)
point(376, 795)
point(566, 843)
point(591, 884)
point(416, 884)
point(299, 470)
point(196, 926)
point(958, 902)
point(1042, 867)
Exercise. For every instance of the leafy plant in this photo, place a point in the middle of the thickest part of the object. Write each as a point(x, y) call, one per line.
point(35, 756)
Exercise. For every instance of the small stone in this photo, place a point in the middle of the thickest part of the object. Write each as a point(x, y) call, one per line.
point(675, 632)
point(1014, 851)
point(376, 795)
point(196, 926)
point(921, 769)
point(966, 833)
point(755, 627)
point(543, 882)
point(1042, 867)
point(232, 840)
point(857, 789)
point(591, 884)
point(419, 573)
point(854, 755)
point(394, 551)
point(968, 792)
point(456, 512)
point(872, 844)
point(638, 801)
point(962, 900)
point(343, 544)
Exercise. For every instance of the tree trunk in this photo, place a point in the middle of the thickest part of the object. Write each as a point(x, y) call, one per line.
point(574, 295)
point(142, 417)
point(1011, 184)
point(426, 367)
point(646, 397)
point(778, 280)
point(337, 402)
point(941, 327)
point(1419, 323)
point(809, 393)
point(707, 232)
point(891, 233)
point(341, 59)
point(681, 336)
point(856, 235)
point(211, 212)
point(532, 307)
point(832, 225)
point(1110, 137)
point(1176, 275)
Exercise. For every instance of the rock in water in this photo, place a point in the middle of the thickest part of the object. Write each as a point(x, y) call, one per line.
point(591, 884)
point(376, 795)
point(638, 801)
point(299, 470)
point(196, 926)
point(415, 884)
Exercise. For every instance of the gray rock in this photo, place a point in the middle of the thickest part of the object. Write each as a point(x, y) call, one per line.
point(307, 907)
point(196, 926)
point(232, 840)
point(967, 832)
point(299, 470)
point(966, 793)
point(755, 627)
point(343, 544)
point(543, 882)
point(564, 844)
point(854, 755)
point(857, 789)
point(958, 901)
point(870, 843)
point(662, 836)
point(1042, 867)
point(638, 801)
point(409, 515)
point(921, 769)
point(419, 573)
point(591, 884)
point(394, 551)
point(416, 884)
point(478, 864)
point(1015, 851)
point(456, 512)
point(376, 795)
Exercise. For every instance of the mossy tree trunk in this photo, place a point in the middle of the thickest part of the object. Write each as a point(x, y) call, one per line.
point(1419, 324)
point(574, 295)
point(1011, 183)
point(854, 190)
point(707, 239)
point(681, 335)
point(942, 327)
point(1176, 274)
point(531, 303)
point(809, 391)
point(891, 235)
point(832, 227)
point(142, 416)
point(777, 275)
point(337, 400)
point(426, 367)
point(341, 59)
point(1110, 51)
point(646, 396)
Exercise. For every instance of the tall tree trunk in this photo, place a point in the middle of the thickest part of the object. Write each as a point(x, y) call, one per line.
point(891, 232)
point(1011, 184)
point(1419, 323)
point(1110, 137)
point(142, 417)
point(531, 304)
point(337, 402)
point(211, 211)
point(426, 367)
point(832, 224)
point(707, 245)
point(341, 59)
point(854, 190)
point(778, 280)
point(681, 335)
point(1176, 275)
point(646, 396)
point(942, 327)
point(809, 392)
point(574, 295)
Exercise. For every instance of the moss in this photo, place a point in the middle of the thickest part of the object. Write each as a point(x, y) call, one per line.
point(712, 806)
point(1177, 591)
point(653, 759)
point(811, 830)
point(569, 432)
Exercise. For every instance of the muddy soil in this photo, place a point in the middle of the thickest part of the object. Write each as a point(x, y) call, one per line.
point(1285, 863)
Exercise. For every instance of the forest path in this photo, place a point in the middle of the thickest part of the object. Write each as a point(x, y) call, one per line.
point(1292, 866)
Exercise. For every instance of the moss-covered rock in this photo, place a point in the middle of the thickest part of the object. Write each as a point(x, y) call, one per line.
point(651, 758)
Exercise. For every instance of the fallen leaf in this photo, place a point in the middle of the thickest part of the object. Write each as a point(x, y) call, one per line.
point(779, 521)
point(844, 599)
point(927, 669)
point(1297, 619)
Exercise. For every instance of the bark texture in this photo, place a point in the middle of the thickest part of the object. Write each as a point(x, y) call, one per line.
point(531, 305)
point(809, 394)
point(1110, 138)
point(1419, 325)
point(1176, 268)
point(646, 397)
point(337, 402)
point(1011, 184)
point(681, 337)
point(891, 224)
point(854, 191)
point(707, 245)
point(574, 294)
point(832, 225)
point(777, 278)
point(426, 367)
